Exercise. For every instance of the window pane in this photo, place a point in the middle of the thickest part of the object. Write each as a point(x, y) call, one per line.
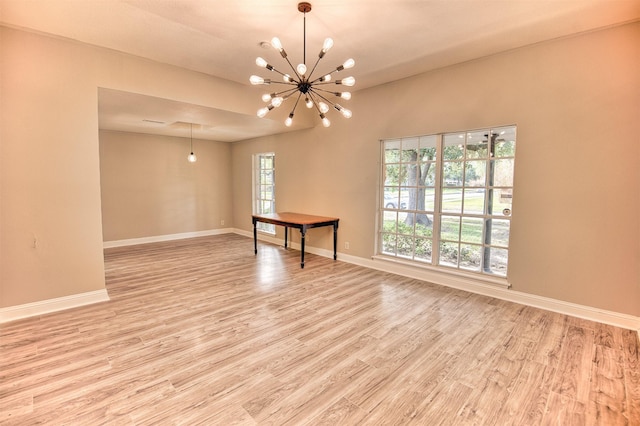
point(266, 207)
point(429, 199)
point(423, 249)
point(429, 176)
point(475, 173)
point(410, 148)
point(471, 231)
point(405, 246)
point(405, 227)
point(474, 201)
point(450, 228)
point(453, 146)
point(505, 144)
point(389, 243)
point(477, 146)
point(266, 177)
point(502, 172)
point(497, 259)
point(392, 151)
point(424, 225)
point(391, 199)
point(470, 257)
point(501, 203)
point(452, 200)
point(430, 141)
point(500, 232)
point(448, 254)
point(392, 174)
point(389, 221)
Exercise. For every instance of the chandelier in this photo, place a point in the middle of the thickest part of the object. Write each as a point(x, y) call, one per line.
point(302, 84)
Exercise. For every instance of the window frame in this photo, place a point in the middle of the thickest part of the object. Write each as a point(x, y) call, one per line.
point(487, 217)
point(257, 189)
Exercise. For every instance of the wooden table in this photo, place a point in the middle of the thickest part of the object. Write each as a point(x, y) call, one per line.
point(299, 221)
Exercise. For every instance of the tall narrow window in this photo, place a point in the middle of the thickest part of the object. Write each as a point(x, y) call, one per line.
point(447, 199)
point(264, 179)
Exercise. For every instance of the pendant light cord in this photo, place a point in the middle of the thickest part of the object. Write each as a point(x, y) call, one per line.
point(304, 38)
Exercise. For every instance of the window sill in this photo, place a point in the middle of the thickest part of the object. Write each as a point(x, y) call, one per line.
point(439, 274)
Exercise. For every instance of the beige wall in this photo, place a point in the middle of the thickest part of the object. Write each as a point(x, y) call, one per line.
point(150, 189)
point(50, 211)
point(576, 102)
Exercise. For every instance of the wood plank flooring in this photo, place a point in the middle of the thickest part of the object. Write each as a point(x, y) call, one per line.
point(202, 331)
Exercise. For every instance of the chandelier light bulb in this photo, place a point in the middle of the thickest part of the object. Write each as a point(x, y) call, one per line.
point(261, 62)
point(345, 112)
point(328, 44)
point(275, 42)
point(277, 101)
point(263, 111)
point(289, 121)
point(344, 95)
point(348, 81)
point(308, 102)
point(325, 121)
point(302, 69)
point(326, 78)
point(324, 108)
point(266, 97)
point(287, 78)
point(192, 158)
point(256, 79)
point(349, 63)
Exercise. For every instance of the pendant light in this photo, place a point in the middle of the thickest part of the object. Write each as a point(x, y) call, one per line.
point(192, 157)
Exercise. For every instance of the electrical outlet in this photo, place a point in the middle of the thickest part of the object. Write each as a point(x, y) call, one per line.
point(222, 222)
point(346, 245)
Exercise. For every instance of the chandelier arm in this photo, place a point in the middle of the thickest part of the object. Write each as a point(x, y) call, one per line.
point(311, 94)
point(296, 104)
point(319, 89)
point(295, 71)
point(322, 97)
point(281, 73)
point(313, 69)
point(322, 83)
point(290, 92)
point(283, 82)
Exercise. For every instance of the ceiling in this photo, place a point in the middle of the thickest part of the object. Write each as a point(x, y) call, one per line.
point(389, 39)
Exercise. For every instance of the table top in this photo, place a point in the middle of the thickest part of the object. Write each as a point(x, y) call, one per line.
point(297, 218)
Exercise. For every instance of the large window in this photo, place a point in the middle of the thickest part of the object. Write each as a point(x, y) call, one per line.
point(446, 199)
point(264, 183)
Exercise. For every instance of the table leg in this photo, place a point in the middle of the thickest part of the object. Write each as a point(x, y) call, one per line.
point(302, 232)
point(335, 241)
point(255, 238)
point(286, 232)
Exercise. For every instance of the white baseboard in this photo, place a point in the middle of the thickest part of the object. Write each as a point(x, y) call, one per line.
point(499, 291)
point(168, 237)
point(504, 293)
point(13, 313)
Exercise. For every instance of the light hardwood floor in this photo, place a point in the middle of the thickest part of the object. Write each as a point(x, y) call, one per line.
point(201, 331)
